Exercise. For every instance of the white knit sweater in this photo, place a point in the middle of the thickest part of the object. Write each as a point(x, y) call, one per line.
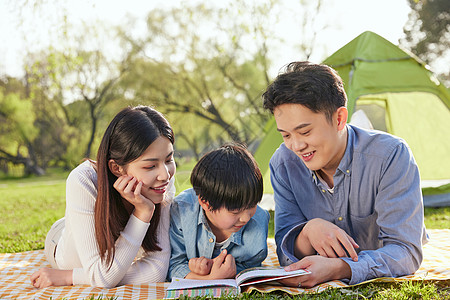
point(78, 250)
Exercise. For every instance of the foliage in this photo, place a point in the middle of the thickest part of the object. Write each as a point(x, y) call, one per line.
point(76, 84)
point(203, 65)
point(428, 34)
point(208, 77)
point(17, 131)
point(437, 217)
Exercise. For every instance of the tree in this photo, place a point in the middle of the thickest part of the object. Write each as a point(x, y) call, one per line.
point(427, 34)
point(212, 62)
point(17, 131)
point(205, 66)
point(79, 83)
point(210, 75)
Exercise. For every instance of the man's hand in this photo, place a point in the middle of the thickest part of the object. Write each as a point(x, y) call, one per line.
point(200, 265)
point(46, 277)
point(224, 266)
point(322, 269)
point(327, 239)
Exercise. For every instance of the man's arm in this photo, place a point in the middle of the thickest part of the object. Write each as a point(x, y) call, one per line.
point(399, 214)
point(296, 237)
point(289, 219)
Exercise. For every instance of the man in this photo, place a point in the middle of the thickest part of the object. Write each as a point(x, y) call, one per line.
point(350, 195)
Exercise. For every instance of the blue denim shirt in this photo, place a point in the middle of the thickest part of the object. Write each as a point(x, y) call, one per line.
point(377, 200)
point(190, 236)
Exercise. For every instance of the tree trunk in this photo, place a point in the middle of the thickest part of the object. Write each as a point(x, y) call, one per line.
point(87, 154)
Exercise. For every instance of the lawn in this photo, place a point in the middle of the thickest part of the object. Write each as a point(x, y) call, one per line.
point(29, 206)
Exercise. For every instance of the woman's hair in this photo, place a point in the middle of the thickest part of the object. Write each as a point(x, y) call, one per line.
point(127, 137)
point(228, 177)
point(316, 86)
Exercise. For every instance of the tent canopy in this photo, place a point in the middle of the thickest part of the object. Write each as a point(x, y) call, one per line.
point(399, 95)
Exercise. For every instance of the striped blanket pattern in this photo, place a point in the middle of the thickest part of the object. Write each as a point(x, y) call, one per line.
point(16, 269)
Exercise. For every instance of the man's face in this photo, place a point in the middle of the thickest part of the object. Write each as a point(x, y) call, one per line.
point(314, 139)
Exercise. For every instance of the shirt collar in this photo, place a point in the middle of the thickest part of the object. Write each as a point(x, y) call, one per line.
point(236, 237)
point(345, 166)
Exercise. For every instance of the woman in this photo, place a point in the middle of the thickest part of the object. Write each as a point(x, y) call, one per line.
point(116, 224)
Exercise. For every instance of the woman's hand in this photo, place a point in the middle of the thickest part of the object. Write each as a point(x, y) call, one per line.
point(130, 189)
point(46, 277)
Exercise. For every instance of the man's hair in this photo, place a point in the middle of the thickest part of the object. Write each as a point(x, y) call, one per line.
point(315, 86)
point(228, 177)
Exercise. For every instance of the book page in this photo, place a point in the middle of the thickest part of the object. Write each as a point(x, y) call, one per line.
point(181, 283)
point(265, 274)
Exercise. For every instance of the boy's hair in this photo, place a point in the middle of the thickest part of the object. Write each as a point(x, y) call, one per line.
point(315, 86)
point(228, 177)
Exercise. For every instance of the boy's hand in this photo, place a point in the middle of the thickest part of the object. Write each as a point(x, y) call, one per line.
point(200, 265)
point(223, 266)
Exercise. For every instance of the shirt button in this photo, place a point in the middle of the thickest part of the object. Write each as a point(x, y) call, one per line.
point(211, 240)
point(340, 218)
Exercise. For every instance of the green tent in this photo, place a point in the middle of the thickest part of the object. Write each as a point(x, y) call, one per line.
point(399, 95)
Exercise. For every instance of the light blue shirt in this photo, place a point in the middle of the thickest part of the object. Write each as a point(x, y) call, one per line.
point(190, 236)
point(377, 200)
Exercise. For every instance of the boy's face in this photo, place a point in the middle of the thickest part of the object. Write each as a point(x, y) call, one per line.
point(317, 141)
point(224, 222)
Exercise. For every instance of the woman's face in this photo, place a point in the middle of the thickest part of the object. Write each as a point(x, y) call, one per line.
point(155, 167)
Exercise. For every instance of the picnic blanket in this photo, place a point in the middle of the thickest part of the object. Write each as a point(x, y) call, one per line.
point(16, 269)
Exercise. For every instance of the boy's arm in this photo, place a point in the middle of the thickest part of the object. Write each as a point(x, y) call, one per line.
point(179, 262)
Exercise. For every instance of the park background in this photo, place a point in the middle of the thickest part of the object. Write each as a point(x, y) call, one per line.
point(67, 67)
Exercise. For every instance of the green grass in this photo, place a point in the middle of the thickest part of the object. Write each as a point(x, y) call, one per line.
point(437, 218)
point(27, 212)
point(29, 206)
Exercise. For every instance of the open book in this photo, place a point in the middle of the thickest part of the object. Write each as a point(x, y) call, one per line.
point(219, 287)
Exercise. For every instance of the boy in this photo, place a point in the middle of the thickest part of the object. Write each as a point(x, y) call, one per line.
point(339, 189)
point(217, 229)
